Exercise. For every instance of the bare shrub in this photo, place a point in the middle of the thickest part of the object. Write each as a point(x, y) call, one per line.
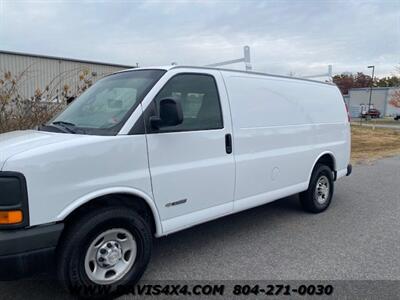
point(18, 112)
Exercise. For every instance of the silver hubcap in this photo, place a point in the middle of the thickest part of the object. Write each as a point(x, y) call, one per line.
point(110, 256)
point(322, 190)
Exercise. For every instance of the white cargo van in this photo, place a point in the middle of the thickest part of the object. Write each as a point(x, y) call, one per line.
point(151, 151)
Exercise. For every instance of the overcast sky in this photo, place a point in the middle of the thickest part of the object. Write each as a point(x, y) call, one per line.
point(302, 37)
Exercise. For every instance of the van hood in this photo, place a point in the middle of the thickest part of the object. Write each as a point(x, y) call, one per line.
point(13, 143)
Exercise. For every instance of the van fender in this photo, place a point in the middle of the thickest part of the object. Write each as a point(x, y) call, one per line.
point(317, 159)
point(113, 190)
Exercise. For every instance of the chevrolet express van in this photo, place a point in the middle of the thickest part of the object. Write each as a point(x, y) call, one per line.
point(150, 151)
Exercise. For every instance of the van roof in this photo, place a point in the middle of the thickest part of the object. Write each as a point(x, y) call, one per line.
point(166, 68)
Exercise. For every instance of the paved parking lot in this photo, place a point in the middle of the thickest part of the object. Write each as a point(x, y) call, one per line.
point(357, 238)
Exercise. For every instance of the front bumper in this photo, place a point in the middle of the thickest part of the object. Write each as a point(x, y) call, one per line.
point(26, 251)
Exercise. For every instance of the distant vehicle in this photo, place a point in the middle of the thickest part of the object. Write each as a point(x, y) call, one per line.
point(397, 117)
point(373, 113)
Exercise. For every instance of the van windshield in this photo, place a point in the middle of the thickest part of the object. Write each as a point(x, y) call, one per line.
point(104, 107)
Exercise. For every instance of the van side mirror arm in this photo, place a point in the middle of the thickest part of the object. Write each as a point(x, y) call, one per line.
point(155, 122)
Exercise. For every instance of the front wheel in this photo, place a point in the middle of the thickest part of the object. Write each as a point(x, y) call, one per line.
point(104, 253)
point(318, 196)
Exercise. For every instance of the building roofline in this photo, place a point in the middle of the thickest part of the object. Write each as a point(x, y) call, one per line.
point(66, 59)
point(374, 88)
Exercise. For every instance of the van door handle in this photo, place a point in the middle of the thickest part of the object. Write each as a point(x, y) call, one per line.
point(228, 143)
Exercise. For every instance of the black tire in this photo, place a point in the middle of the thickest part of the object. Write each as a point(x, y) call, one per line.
point(76, 240)
point(309, 199)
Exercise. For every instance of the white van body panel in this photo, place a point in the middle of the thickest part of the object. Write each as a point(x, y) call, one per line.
point(109, 191)
point(192, 166)
point(280, 127)
point(63, 175)
point(15, 142)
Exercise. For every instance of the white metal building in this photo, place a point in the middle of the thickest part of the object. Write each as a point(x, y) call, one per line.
point(41, 70)
point(381, 98)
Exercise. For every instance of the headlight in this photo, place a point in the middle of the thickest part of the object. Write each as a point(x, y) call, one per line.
point(13, 200)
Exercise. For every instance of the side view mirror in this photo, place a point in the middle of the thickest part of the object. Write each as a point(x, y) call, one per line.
point(170, 114)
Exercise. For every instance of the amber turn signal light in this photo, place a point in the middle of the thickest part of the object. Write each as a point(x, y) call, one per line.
point(10, 217)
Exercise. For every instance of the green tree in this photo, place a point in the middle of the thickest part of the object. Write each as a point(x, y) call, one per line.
point(388, 81)
point(345, 82)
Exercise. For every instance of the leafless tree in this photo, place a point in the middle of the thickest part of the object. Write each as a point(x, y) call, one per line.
point(19, 112)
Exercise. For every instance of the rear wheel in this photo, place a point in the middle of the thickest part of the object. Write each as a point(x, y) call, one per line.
point(104, 253)
point(318, 196)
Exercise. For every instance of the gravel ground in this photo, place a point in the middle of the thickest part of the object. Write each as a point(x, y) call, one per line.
point(357, 238)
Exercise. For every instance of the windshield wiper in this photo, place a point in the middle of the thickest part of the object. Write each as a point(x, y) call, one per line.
point(71, 127)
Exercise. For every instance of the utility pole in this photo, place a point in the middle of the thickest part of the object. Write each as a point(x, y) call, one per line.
point(370, 91)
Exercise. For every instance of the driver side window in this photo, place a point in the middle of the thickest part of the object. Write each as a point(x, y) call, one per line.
point(198, 96)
